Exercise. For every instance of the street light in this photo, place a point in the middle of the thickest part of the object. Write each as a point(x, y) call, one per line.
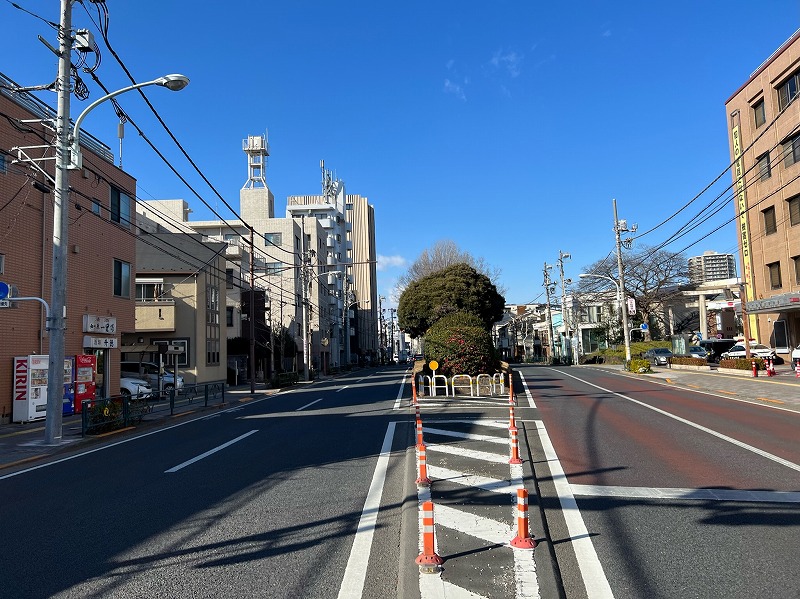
point(621, 308)
point(174, 82)
point(68, 157)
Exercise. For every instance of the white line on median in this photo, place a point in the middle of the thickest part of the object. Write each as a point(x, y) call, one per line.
point(356, 571)
point(399, 394)
point(210, 452)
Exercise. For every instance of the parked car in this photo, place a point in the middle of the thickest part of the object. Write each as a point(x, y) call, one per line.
point(795, 356)
point(149, 371)
point(716, 347)
point(135, 387)
point(696, 351)
point(757, 350)
point(658, 355)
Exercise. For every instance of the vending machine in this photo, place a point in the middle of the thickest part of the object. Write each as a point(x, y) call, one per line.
point(69, 387)
point(85, 383)
point(30, 386)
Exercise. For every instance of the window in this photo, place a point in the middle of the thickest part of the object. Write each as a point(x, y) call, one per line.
point(759, 116)
point(770, 225)
point(229, 316)
point(149, 290)
point(775, 275)
point(763, 165)
point(212, 305)
point(2, 263)
point(3, 166)
point(122, 279)
point(794, 210)
point(788, 91)
point(120, 207)
point(231, 238)
point(229, 278)
point(272, 238)
point(796, 262)
point(97, 206)
point(791, 151)
point(273, 268)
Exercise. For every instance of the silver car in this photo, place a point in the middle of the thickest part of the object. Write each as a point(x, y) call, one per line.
point(658, 355)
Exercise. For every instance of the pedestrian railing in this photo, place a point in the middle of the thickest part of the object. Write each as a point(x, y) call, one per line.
point(112, 413)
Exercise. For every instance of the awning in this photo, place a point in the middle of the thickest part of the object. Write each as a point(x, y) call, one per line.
point(784, 302)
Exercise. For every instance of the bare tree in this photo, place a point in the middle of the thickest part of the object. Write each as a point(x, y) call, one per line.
point(444, 254)
point(653, 277)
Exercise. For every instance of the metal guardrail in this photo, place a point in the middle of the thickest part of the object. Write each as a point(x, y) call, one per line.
point(113, 413)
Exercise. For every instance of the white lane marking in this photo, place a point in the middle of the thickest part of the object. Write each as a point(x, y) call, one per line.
point(308, 405)
point(528, 394)
point(357, 564)
point(211, 417)
point(492, 485)
point(594, 578)
point(468, 453)
point(432, 586)
point(469, 436)
point(478, 421)
point(342, 388)
point(210, 452)
point(476, 526)
point(699, 427)
point(399, 394)
point(687, 494)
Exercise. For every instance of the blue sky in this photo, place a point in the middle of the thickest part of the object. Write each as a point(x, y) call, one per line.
point(507, 127)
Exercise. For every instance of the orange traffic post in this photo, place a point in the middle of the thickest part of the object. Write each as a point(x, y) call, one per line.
point(423, 480)
point(755, 369)
point(420, 442)
point(428, 561)
point(512, 422)
point(510, 387)
point(514, 447)
point(523, 540)
point(797, 370)
point(414, 390)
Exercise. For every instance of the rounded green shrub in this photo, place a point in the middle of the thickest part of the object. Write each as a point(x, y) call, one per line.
point(460, 343)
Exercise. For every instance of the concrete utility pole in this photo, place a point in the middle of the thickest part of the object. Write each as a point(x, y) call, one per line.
point(564, 282)
point(547, 284)
point(619, 227)
point(58, 309)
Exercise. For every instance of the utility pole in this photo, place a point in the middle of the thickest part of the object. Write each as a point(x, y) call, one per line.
point(561, 257)
point(621, 226)
point(305, 282)
point(58, 309)
point(392, 312)
point(547, 285)
point(252, 316)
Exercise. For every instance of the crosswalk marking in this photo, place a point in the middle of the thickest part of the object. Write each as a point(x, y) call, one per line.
point(460, 435)
point(688, 494)
point(468, 453)
point(492, 485)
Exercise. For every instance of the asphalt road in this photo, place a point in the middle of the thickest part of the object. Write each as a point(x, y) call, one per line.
point(263, 500)
point(652, 491)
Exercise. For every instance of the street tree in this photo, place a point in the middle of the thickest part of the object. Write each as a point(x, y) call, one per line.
point(443, 254)
point(457, 288)
point(653, 277)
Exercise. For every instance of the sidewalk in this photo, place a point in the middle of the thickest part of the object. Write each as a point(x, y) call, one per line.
point(23, 444)
point(782, 390)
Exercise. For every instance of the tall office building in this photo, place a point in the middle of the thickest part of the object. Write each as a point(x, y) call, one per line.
point(711, 266)
point(764, 134)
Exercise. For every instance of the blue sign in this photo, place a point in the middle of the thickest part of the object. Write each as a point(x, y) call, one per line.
point(5, 290)
point(644, 326)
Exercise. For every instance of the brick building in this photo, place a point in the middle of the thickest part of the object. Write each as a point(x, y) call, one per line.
point(101, 244)
point(764, 134)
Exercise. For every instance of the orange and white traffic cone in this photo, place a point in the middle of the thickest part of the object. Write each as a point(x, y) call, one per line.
point(420, 442)
point(414, 391)
point(428, 561)
point(512, 422)
point(523, 540)
point(515, 459)
point(422, 479)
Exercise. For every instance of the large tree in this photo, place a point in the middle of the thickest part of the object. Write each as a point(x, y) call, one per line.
point(653, 277)
point(443, 254)
point(457, 288)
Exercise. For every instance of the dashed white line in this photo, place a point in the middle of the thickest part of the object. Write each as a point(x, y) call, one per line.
point(308, 405)
point(687, 494)
point(209, 452)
